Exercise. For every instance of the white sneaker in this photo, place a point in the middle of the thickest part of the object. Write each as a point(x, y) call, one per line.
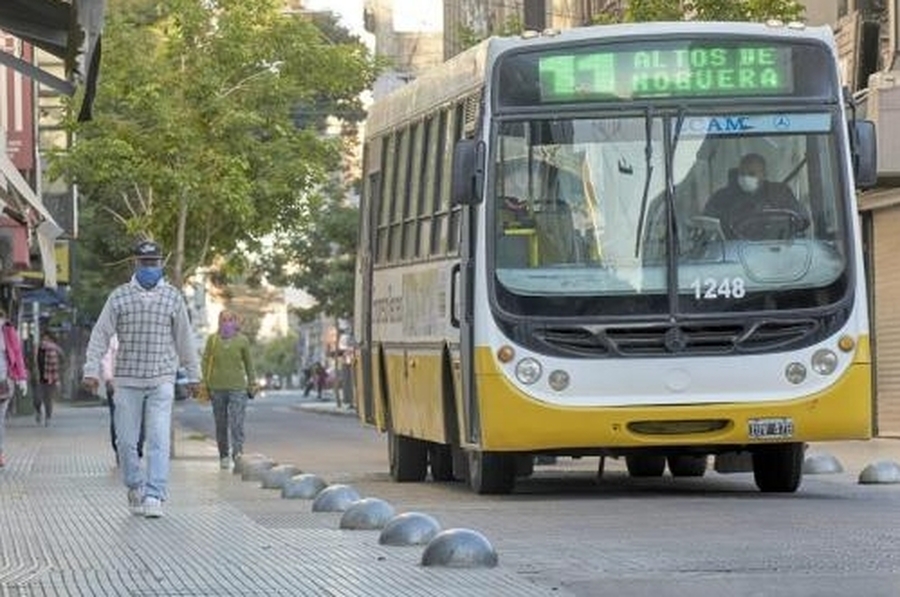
point(225, 463)
point(134, 501)
point(152, 508)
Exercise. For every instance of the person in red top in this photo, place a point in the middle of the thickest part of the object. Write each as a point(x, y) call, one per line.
point(12, 371)
point(47, 388)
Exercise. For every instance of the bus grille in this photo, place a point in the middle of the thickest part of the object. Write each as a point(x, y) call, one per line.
point(683, 339)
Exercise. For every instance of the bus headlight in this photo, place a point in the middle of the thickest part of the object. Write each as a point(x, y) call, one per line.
point(795, 373)
point(558, 380)
point(528, 371)
point(824, 361)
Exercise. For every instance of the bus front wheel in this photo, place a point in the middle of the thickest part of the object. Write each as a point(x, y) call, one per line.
point(491, 472)
point(408, 458)
point(778, 468)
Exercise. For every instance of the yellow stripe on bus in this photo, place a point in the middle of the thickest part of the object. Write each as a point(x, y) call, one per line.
point(512, 420)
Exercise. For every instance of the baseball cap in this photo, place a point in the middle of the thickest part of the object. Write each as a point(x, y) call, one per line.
point(147, 249)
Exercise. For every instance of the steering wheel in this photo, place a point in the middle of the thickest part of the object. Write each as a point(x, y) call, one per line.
point(774, 223)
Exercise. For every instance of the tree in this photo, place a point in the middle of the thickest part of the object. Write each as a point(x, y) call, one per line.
point(469, 36)
point(704, 10)
point(99, 263)
point(278, 355)
point(321, 258)
point(194, 143)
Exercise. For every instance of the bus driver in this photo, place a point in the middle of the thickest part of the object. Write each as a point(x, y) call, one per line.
point(752, 207)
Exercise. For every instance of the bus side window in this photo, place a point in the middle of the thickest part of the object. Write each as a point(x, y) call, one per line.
point(517, 242)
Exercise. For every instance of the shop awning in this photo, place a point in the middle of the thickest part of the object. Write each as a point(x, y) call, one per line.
point(68, 30)
point(47, 230)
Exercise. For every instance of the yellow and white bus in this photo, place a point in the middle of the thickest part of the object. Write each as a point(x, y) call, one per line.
point(633, 241)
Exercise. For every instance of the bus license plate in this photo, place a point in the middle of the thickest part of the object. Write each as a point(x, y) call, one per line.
point(773, 428)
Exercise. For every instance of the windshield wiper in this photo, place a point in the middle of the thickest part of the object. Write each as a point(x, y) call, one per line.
point(670, 175)
point(648, 155)
point(672, 221)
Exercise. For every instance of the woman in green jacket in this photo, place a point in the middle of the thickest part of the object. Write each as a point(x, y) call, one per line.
point(228, 373)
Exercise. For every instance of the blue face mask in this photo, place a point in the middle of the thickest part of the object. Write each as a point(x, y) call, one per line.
point(148, 277)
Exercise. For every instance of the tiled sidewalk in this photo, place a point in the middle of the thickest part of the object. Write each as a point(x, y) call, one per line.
point(65, 529)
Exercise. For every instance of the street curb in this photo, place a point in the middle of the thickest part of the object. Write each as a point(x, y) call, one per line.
point(325, 409)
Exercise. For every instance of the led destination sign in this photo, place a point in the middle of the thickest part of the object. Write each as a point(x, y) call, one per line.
point(685, 69)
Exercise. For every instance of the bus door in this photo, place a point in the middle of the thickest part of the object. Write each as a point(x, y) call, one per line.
point(368, 219)
point(466, 160)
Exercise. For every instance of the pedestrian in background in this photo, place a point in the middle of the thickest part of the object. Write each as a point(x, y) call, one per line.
point(49, 365)
point(12, 372)
point(150, 318)
point(228, 373)
point(316, 379)
point(108, 374)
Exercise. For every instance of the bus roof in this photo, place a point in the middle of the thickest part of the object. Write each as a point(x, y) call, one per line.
point(466, 72)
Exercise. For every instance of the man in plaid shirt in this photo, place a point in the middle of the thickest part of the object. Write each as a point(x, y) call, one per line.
point(47, 389)
point(150, 320)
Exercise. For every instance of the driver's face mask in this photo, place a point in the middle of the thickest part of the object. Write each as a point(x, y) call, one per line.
point(748, 183)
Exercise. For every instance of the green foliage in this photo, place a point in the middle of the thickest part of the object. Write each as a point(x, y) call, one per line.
point(654, 10)
point(320, 259)
point(704, 10)
point(100, 268)
point(468, 36)
point(277, 356)
point(194, 141)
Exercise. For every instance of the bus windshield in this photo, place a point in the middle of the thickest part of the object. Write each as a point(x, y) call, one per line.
point(668, 212)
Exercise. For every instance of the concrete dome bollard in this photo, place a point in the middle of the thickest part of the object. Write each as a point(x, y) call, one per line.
point(881, 472)
point(821, 464)
point(241, 460)
point(335, 498)
point(278, 475)
point(305, 486)
point(409, 528)
point(460, 548)
point(367, 514)
point(253, 470)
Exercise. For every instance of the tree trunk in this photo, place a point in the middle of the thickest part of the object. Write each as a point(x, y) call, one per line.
point(178, 282)
point(180, 233)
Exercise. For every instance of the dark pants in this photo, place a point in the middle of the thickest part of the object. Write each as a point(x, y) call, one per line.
point(44, 395)
point(312, 384)
point(229, 409)
point(112, 426)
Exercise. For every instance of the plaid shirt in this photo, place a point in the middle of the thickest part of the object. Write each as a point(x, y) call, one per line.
point(154, 334)
point(48, 362)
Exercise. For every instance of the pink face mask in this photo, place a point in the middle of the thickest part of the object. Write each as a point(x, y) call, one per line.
point(228, 329)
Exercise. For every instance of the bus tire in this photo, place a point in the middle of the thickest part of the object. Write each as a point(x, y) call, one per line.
point(440, 461)
point(687, 465)
point(491, 472)
point(645, 465)
point(460, 460)
point(408, 457)
point(778, 468)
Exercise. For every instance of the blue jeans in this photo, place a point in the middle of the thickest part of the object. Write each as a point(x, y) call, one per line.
point(156, 406)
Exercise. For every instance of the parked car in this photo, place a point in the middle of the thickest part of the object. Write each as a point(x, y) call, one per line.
point(274, 382)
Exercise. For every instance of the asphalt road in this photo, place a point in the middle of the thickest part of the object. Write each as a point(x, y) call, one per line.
point(575, 534)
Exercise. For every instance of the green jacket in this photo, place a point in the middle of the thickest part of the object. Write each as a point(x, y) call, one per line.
point(226, 364)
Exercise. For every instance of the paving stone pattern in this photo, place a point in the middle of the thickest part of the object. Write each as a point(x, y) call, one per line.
point(65, 529)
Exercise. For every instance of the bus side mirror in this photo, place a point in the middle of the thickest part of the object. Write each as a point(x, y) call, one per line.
point(865, 168)
point(467, 173)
